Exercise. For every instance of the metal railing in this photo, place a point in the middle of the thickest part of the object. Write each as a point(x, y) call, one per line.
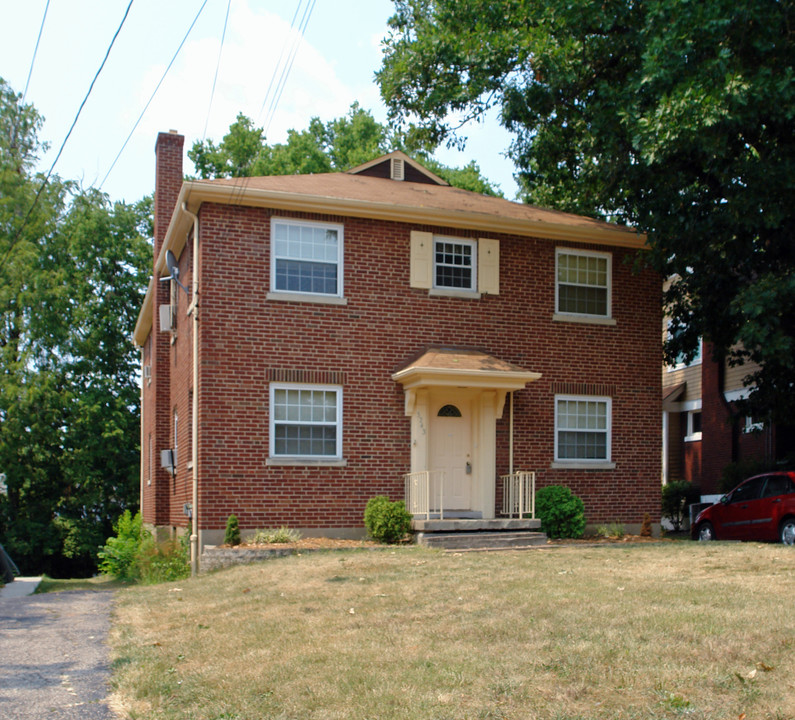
point(519, 494)
point(425, 493)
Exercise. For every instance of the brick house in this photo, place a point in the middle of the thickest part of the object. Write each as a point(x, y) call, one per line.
point(355, 328)
point(703, 429)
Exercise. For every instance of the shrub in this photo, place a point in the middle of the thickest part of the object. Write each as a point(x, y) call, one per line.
point(676, 497)
point(232, 535)
point(118, 555)
point(282, 535)
point(734, 473)
point(561, 512)
point(386, 521)
point(611, 530)
point(164, 561)
point(645, 528)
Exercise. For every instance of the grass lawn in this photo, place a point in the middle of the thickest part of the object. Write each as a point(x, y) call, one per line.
point(101, 582)
point(676, 630)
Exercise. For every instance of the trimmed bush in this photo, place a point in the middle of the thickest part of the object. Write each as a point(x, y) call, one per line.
point(280, 535)
point(561, 512)
point(232, 535)
point(676, 498)
point(387, 521)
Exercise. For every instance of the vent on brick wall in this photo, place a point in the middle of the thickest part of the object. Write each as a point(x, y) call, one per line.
point(147, 372)
point(165, 318)
point(397, 169)
point(167, 460)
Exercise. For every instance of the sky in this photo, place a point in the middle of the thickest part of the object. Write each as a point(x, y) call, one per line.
point(333, 66)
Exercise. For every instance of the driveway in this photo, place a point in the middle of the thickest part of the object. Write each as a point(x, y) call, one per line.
point(53, 656)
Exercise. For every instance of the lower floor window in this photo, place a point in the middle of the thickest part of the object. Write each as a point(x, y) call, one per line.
point(306, 421)
point(582, 428)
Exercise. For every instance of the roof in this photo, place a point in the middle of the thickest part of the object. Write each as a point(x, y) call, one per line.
point(465, 368)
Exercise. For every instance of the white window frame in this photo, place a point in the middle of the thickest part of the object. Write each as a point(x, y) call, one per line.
point(274, 388)
point(690, 434)
point(609, 287)
point(277, 292)
point(608, 431)
point(176, 435)
point(469, 242)
point(681, 365)
point(752, 424)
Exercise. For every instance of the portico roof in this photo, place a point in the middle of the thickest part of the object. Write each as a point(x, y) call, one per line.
point(454, 367)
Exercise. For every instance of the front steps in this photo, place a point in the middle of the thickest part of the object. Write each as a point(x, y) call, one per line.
point(457, 534)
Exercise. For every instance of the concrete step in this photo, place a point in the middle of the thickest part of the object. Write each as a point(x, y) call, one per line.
point(481, 540)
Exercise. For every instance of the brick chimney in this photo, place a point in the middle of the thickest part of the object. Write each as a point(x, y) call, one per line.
point(168, 181)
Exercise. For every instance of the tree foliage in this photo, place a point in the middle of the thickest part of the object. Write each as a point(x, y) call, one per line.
point(334, 146)
point(73, 270)
point(676, 117)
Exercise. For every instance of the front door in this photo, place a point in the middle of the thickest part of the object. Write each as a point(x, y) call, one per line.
point(451, 454)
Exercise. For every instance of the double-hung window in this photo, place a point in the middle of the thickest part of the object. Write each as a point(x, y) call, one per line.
point(455, 264)
point(306, 257)
point(306, 421)
point(582, 428)
point(582, 284)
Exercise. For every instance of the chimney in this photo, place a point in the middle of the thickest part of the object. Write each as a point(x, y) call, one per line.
point(168, 181)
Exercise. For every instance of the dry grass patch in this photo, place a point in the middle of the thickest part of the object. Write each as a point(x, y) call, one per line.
point(654, 631)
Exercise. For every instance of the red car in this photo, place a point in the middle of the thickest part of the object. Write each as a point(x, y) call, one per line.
point(760, 508)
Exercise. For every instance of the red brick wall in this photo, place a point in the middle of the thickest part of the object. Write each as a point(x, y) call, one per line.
point(244, 338)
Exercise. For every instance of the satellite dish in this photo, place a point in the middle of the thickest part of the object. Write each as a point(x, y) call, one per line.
point(173, 269)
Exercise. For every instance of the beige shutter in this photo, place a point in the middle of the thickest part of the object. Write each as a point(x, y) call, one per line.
point(421, 259)
point(489, 266)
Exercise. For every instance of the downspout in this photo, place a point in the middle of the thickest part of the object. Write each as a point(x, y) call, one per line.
point(144, 454)
point(193, 311)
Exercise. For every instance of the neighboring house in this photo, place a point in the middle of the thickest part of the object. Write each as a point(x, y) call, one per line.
point(703, 429)
point(357, 327)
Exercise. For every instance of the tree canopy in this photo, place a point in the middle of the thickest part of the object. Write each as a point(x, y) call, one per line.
point(675, 117)
point(334, 146)
point(73, 272)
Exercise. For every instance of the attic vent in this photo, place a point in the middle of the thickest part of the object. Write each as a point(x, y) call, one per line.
point(147, 372)
point(396, 172)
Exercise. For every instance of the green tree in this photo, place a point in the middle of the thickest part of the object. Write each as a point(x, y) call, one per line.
point(675, 117)
point(334, 146)
point(73, 271)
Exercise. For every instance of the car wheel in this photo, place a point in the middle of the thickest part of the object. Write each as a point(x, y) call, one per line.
point(787, 531)
point(706, 532)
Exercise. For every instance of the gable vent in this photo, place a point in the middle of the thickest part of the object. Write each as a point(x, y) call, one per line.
point(397, 169)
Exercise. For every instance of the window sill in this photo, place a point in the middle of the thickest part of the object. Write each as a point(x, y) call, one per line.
point(464, 294)
point(307, 298)
point(582, 465)
point(583, 319)
point(696, 437)
point(305, 462)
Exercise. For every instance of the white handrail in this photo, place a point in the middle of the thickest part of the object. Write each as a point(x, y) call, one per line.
point(519, 494)
point(419, 500)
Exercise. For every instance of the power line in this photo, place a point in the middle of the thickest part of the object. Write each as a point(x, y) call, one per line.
point(152, 97)
point(289, 66)
point(36, 50)
point(63, 144)
point(217, 66)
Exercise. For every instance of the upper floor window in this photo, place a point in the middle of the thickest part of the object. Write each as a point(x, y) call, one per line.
point(306, 257)
point(582, 283)
point(455, 264)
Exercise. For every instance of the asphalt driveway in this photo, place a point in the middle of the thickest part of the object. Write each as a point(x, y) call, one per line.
point(54, 657)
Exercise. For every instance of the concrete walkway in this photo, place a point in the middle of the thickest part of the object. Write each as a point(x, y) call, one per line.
point(21, 587)
point(54, 659)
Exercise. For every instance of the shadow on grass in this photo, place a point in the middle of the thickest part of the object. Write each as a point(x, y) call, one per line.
point(94, 584)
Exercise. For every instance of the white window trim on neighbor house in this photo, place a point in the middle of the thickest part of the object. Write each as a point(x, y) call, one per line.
point(691, 408)
point(563, 315)
point(604, 463)
point(485, 265)
point(277, 457)
point(276, 293)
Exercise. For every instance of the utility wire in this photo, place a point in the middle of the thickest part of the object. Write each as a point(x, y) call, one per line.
point(279, 61)
point(35, 50)
point(217, 66)
point(289, 66)
point(152, 97)
point(63, 144)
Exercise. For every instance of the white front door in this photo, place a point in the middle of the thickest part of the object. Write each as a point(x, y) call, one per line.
point(451, 449)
